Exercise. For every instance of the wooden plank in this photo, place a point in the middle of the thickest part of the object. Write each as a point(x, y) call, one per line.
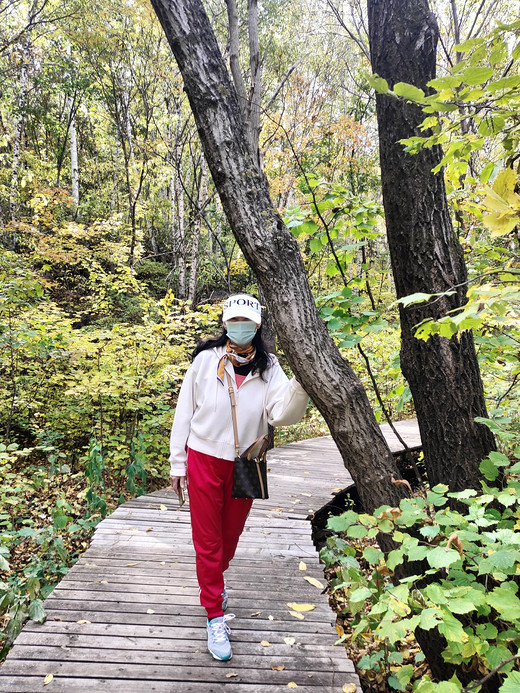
point(211, 670)
point(64, 684)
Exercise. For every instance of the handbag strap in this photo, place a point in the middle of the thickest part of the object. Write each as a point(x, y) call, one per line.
point(231, 391)
point(251, 448)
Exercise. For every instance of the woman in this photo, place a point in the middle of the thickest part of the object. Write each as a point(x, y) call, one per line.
point(202, 439)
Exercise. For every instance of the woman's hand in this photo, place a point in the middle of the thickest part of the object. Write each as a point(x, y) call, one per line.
point(178, 484)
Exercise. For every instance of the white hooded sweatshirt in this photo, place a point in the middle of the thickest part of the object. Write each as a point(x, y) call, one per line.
point(203, 418)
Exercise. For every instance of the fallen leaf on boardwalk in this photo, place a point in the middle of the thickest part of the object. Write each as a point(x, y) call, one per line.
point(129, 565)
point(104, 582)
point(291, 684)
point(349, 688)
point(337, 489)
point(309, 495)
point(296, 614)
point(313, 581)
point(302, 566)
point(162, 563)
point(265, 643)
point(276, 510)
point(271, 618)
point(340, 630)
point(56, 619)
point(279, 667)
point(298, 500)
point(301, 607)
point(47, 679)
point(257, 613)
point(231, 674)
point(306, 472)
point(82, 621)
point(150, 611)
point(150, 529)
point(91, 565)
point(289, 641)
point(163, 507)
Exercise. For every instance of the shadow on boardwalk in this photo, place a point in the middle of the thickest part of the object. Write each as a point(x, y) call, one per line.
point(127, 615)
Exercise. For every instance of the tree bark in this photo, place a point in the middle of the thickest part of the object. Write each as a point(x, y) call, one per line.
point(195, 242)
point(273, 253)
point(20, 123)
point(426, 256)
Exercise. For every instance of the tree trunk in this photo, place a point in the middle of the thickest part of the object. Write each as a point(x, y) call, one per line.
point(20, 122)
point(74, 167)
point(202, 198)
point(273, 253)
point(426, 256)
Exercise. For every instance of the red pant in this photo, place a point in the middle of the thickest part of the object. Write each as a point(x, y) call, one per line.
point(217, 521)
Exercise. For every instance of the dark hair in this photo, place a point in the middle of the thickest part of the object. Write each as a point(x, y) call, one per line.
point(260, 362)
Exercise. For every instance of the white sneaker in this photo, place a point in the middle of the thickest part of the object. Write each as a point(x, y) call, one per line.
point(218, 637)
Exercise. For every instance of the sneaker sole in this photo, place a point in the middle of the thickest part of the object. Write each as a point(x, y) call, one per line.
point(220, 659)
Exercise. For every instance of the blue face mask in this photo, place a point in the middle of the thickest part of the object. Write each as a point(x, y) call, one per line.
point(241, 332)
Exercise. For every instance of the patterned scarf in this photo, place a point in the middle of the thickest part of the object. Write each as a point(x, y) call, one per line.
point(238, 355)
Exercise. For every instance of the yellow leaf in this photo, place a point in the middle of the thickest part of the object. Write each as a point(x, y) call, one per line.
point(297, 615)
point(313, 581)
point(257, 613)
point(349, 688)
point(302, 566)
point(505, 182)
point(501, 224)
point(276, 510)
point(150, 529)
point(271, 618)
point(163, 507)
point(150, 611)
point(289, 641)
point(48, 679)
point(128, 565)
point(83, 620)
point(265, 643)
point(301, 607)
point(309, 495)
point(278, 667)
point(340, 630)
point(231, 674)
point(104, 582)
point(291, 684)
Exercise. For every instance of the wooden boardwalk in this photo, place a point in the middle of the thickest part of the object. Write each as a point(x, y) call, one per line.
point(127, 615)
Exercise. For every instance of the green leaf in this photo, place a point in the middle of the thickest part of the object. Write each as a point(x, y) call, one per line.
point(511, 683)
point(429, 618)
point(408, 91)
point(394, 559)
point(505, 602)
point(360, 594)
point(36, 611)
point(379, 84)
point(4, 565)
point(488, 469)
point(372, 555)
point(440, 558)
point(476, 75)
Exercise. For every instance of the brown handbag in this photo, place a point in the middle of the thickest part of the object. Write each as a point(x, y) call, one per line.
point(250, 467)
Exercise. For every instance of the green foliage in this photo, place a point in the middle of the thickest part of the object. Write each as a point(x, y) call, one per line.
point(467, 549)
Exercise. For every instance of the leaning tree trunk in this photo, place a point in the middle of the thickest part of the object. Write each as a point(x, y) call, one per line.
point(273, 253)
point(426, 256)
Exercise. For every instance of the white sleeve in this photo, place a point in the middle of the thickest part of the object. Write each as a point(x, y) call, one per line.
point(286, 399)
point(181, 424)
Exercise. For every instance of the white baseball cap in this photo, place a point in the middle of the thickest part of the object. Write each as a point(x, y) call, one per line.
point(242, 306)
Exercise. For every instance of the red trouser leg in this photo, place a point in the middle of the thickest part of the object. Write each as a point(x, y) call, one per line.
point(217, 521)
